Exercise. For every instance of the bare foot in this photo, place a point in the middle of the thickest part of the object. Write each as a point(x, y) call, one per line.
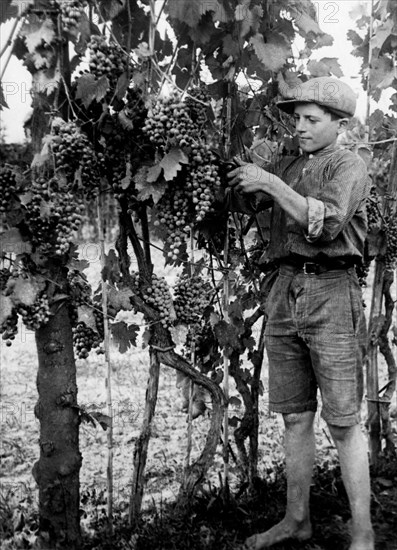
point(286, 529)
point(363, 540)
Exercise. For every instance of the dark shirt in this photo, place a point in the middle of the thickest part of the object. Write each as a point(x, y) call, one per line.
point(337, 184)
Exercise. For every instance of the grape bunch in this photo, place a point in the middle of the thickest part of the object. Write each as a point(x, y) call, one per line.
point(168, 124)
point(391, 242)
point(72, 151)
point(71, 14)
point(84, 340)
point(9, 328)
point(98, 314)
point(106, 59)
point(79, 288)
point(206, 349)
point(136, 111)
point(373, 209)
point(116, 159)
point(174, 209)
point(5, 274)
point(53, 216)
point(192, 296)
point(198, 104)
point(203, 179)
point(36, 315)
point(362, 271)
point(157, 295)
point(8, 188)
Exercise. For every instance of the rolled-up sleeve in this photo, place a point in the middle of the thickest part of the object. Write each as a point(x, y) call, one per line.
point(340, 196)
point(315, 209)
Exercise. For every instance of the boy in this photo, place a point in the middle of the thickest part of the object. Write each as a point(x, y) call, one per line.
point(315, 333)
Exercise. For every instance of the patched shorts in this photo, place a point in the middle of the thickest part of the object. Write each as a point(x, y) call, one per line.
point(316, 338)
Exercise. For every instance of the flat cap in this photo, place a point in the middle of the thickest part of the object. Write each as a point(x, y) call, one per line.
point(331, 93)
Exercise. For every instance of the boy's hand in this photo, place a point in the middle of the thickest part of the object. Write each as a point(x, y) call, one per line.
point(249, 178)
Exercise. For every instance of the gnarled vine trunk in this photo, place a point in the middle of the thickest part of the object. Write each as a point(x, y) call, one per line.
point(57, 470)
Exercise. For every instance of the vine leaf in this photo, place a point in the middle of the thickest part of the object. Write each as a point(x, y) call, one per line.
point(145, 180)
point(179, 333)
point(191, 12)
point(89, 88)
point(153, 173)
point(122, 85)
point(111, 8)
point(12, 242)
point(85, 314)
point(124, 335)
point(41, 158)
point(325, 67)
point(120, 299)
point(227, 336)
point(272, 54)
point(383, 32)
point(24, 291)
point(6, 307)
point(125, 121)
point(382, 75)
point(171, 163)
point(111, 270)
point(187, 11)
point(126, 181)
point(249, 19)
point(47, 80)
point(80, 265)
point(37, 32)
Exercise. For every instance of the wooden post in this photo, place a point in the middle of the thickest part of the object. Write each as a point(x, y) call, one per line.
point(108, 379)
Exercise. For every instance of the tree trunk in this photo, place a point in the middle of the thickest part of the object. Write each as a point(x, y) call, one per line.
point(57, 470)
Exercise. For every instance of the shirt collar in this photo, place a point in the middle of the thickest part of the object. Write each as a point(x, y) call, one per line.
point(321, 152)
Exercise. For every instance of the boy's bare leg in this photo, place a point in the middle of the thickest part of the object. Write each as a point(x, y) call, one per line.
point(299, 456)
point(353, 457)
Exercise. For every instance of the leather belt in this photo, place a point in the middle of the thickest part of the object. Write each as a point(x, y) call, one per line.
point(308, 266)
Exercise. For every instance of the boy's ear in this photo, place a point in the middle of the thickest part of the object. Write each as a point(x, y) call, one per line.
point(342, 124)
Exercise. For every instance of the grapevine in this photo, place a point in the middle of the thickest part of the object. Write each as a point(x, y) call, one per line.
point(8, 189)
point(173, 122)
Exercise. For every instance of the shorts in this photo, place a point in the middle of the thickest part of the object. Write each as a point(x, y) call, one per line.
point(316, 339)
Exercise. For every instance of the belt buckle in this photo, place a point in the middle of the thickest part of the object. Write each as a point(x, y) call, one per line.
point(310, 268)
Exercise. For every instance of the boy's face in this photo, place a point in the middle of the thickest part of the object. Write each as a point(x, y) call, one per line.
point(315, 128)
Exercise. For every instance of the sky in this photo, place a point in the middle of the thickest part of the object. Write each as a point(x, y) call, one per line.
point(334, 17)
